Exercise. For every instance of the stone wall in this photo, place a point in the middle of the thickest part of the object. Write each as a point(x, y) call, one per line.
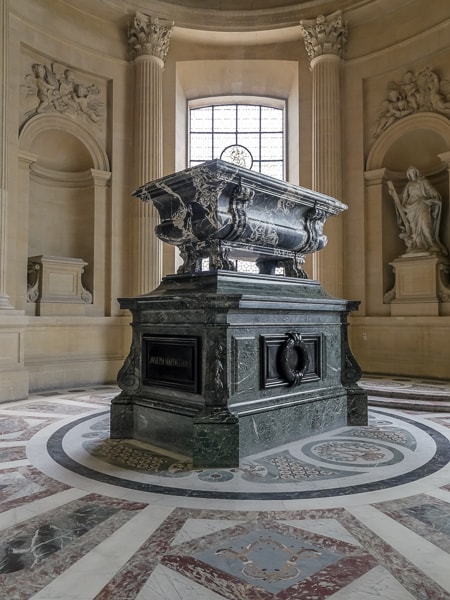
point(67, 143)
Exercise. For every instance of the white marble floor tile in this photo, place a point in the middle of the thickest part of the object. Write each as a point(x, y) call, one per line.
point(196, 528)
point(329, 527)
point(430, 559)
point(91, 405)
point(16, 486)
point(440, 494)
point(12, 444)
point(377, 584)
point(165, 584)
point(24, 413)
point(38, 507)
point(13, 464)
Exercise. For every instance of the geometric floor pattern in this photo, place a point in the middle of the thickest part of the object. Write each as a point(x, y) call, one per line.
point(352, 514)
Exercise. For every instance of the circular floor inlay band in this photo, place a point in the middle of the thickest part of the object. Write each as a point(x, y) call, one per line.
point(391, 451)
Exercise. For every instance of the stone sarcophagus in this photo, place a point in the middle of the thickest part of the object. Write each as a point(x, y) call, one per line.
point(220, 212)
point(225, 364)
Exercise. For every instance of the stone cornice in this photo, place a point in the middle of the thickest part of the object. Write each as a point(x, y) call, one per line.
point(76, 179)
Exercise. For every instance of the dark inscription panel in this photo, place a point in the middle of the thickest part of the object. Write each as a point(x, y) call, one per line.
point(271, 349)
point(171, 362)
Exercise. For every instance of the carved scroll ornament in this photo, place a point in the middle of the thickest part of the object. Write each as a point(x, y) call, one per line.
point(350, 370)
point(128, 378)
point(423, 91)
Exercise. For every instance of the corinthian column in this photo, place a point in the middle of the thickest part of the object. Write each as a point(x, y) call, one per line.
point(325, 39)
point(4, 29)
point(149, 42)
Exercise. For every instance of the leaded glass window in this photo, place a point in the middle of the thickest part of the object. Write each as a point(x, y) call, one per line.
point(251, 135)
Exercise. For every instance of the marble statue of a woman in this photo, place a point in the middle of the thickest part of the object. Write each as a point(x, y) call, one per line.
point(419, 214)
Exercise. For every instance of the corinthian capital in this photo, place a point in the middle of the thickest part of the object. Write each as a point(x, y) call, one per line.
point(325, 35)
point(149, 36)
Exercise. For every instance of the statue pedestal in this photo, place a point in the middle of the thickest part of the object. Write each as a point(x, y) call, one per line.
point(55, 286)
point(420, 285)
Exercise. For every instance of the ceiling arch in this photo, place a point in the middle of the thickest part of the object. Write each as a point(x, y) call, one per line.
point(227, 15)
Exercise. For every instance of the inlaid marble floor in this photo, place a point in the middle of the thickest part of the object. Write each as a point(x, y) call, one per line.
point(354, 514)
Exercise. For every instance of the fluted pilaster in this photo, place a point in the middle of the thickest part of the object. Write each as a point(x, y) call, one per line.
point(327, 138)
point(149, 41)
point(325, 39)
point(4, 29)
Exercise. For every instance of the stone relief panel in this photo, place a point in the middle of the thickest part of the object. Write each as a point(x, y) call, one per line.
point(51, 87)
point(421, 91)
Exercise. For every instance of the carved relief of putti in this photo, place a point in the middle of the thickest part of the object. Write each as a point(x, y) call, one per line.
point(57, 90)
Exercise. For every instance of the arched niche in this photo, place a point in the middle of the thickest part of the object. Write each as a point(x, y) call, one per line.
point(66, 195)
point(421, 140)
point(417, 139)
point(55, 125)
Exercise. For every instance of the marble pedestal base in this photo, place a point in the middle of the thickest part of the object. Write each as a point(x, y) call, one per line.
point(55, 286)
point(420, 285)
point(223, 365)
point(14, 383)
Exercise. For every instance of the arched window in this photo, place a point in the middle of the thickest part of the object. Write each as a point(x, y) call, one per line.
point(248, 132)
point(245, 131)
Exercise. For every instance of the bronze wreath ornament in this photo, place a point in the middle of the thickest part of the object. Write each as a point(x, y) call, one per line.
point(294, 359)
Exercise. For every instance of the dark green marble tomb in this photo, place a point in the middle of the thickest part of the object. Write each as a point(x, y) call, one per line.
point(225, 364)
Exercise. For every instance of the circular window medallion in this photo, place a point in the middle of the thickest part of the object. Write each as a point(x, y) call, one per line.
point(238, 155)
